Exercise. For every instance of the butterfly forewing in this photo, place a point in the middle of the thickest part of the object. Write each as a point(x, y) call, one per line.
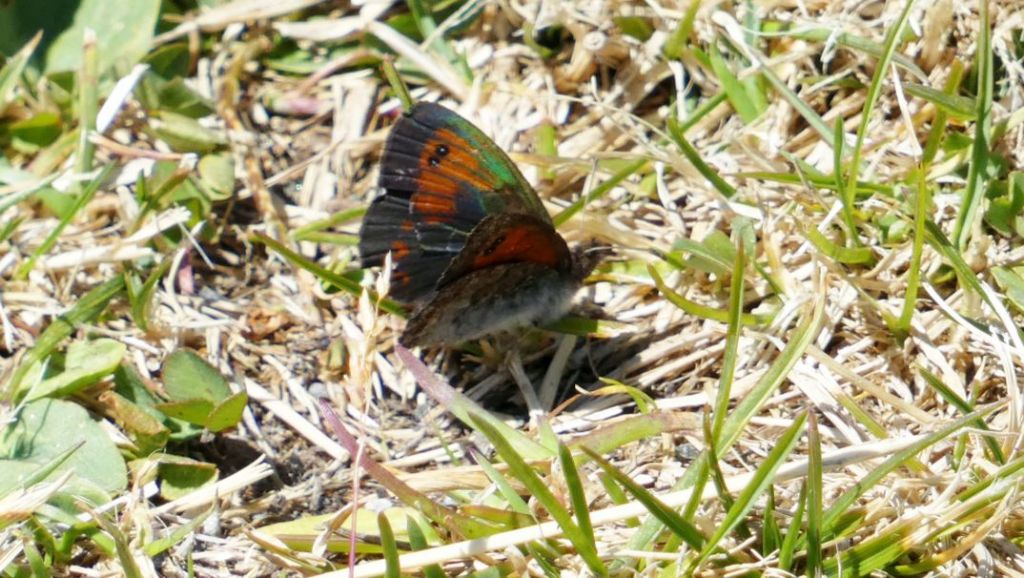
point(441, 176)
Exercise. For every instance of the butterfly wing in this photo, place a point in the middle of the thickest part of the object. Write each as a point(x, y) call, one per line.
point(441, 176)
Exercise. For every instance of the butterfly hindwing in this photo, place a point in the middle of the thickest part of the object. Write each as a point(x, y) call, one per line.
point(441, 177)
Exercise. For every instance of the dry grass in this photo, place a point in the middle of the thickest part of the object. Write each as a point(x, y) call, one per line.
point(305, 148)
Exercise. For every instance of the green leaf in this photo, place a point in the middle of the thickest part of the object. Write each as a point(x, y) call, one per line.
point(12, 70)
point(124, 29)
point(228, 413)
point(194, 411)
point(181, 476)
point(845, 255)
point(1012, 284)
point(34, 133)
point(46, 428)
point(957, 106)
point(734, 89)
point(185, 134)
point(756, 487)
point(217, 175)
point(188, 377)
point(87, 309)
point(86, 363)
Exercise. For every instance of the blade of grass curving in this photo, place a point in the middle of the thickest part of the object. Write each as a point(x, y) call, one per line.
point(418, 541)
point(577, 496)
point(667, 515)
point(608, 438)
point(964, 407)
point(844, 501)
point(303, 233)
point(751, 403)
point(761, 480)
point(800, 340)
point(963, 271)
point(511, 496)
point(922, 203)
point(10, 73)
point(520, 470)
point(959, 107)
point(340, 281)
point(733, 88)
point(465, 409)
point(815, 497)
point(425, 23)
point(693, 155)
point(771, 536)
point(389, 549)
point(794, 532)
point(81, 200)
point(941, 120)
point(703, 311)
point(599, 191)
point(140, 300)
point(977, 171)
point(892, 38)
point(856, 43)
point(88, 308)
point(395, 80)
point(732, 340)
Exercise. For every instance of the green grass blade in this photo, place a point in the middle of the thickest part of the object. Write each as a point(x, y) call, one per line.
point(80, 201)
point(693, 155)
point(964, 407)
point(703, 311)
point(599, 191)
point(892, 38)
point(815, 497)
point(733, 88)
point(389, 548)
point(841, 504)
point(755, 488)
point(794, 532)
point(577, 496)
point(668, 516)
point(923, 201)
point(732, 340)
point(88, 308)
point(340, 281)
point(977, 171)
point(538, 488)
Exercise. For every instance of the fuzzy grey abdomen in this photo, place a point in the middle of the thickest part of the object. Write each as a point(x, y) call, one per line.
point(491, 300)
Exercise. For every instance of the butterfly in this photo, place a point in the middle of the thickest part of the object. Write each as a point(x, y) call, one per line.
point(471, 243)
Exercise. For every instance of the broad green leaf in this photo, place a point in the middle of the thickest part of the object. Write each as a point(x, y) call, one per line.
point(188, 377)
point(181, 476)
point(45, 429)
point(123, 29)
point(86, 363)
point(194, 411)
point(228, 413)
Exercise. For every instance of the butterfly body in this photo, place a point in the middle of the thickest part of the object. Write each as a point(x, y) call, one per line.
point(471, 243)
